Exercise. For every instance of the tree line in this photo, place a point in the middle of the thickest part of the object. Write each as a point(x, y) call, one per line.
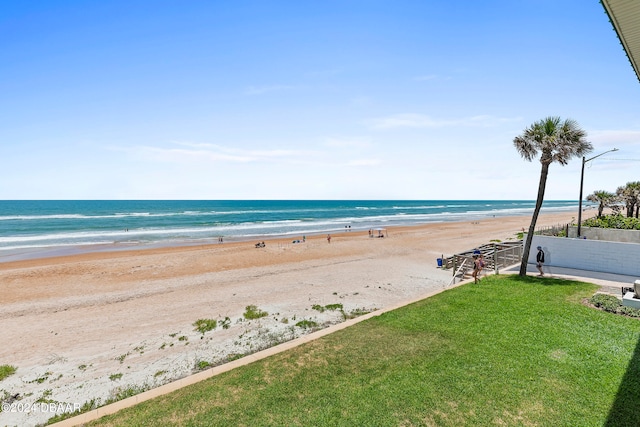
point(626, 197)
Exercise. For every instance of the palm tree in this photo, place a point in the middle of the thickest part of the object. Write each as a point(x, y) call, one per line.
point(630, 195)
point(603, 198)
point(556, 141)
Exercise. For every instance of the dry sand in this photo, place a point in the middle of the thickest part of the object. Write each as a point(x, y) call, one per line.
point(89, 326)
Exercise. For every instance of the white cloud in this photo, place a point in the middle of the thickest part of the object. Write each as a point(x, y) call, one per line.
point(406, 120)
point(615, 137)
point(179, 155)
point(411, 120)
point(197, 152)
point(353, 142)
point(364, 162)
point(488, 121)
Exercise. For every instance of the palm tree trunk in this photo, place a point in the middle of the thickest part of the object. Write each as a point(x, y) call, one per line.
point(536, 211)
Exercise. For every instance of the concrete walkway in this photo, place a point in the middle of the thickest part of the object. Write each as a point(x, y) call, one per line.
point(609, 282)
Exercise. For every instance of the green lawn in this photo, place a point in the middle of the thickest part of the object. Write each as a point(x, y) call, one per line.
point(505, 352)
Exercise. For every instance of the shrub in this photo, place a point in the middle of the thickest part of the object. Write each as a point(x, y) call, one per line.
point(201, 365)
point(6, 371)
point(234, 356)
point(629, 311)
point(613, 305)
point(613, 221)
point(356, 312)
point(606, 302)
point(205, 325)
point(121, 393)
point(253, 312)
point(330, 307)
point(305, 324)
point(226, 323)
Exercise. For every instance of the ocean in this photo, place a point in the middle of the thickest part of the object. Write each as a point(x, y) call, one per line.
point(31, 229)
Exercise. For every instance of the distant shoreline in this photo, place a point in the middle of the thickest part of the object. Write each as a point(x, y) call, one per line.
point(122, 249)
point(45, 229)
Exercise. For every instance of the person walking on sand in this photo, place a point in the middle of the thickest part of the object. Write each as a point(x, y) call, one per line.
point(329, 238)
point(540, 261)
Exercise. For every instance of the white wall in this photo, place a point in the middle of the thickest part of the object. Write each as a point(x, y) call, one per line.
point(610, 234)
point(593, 255)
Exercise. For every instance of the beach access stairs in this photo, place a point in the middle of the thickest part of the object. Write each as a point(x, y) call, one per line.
point(496, 256)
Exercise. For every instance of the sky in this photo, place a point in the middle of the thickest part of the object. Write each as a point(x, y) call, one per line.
point(349, 99)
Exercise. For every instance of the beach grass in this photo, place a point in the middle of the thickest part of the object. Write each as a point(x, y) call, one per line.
point(253, 312)
point(6, 371)
point(507, 351)
point(205, 325)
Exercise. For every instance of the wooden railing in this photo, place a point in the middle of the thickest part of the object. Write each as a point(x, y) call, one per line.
point(496, 257)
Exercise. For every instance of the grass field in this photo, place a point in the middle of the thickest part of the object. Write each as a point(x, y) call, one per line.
point(509, 351)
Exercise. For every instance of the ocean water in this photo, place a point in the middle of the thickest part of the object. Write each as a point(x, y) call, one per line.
point(43, 228)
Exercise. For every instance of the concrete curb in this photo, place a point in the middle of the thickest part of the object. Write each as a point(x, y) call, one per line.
point(200, 376)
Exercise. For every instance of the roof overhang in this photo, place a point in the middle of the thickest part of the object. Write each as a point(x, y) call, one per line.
point(625, 18)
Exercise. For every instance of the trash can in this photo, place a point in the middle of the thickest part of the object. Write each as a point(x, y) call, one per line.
point(439, 262)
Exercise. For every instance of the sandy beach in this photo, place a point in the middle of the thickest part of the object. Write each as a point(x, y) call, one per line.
point(93, 325)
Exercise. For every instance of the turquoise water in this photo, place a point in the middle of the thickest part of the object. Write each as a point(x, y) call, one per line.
point(38, 228)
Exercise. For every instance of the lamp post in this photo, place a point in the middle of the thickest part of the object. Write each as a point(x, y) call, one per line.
point(581, 182)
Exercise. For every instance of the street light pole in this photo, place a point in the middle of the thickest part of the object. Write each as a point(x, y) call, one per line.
point(581, 183)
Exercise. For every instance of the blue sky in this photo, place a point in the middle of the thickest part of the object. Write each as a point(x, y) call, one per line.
point(307, 100)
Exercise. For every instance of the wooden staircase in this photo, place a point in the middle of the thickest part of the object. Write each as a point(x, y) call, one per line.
point(496, 256)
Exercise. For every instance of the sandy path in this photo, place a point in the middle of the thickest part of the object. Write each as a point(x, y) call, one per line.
point(88, 326)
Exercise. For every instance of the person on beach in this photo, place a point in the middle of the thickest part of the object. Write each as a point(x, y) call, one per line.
point(478, 265)
point(474, 274)
point(329, 238)
point(540, 261)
